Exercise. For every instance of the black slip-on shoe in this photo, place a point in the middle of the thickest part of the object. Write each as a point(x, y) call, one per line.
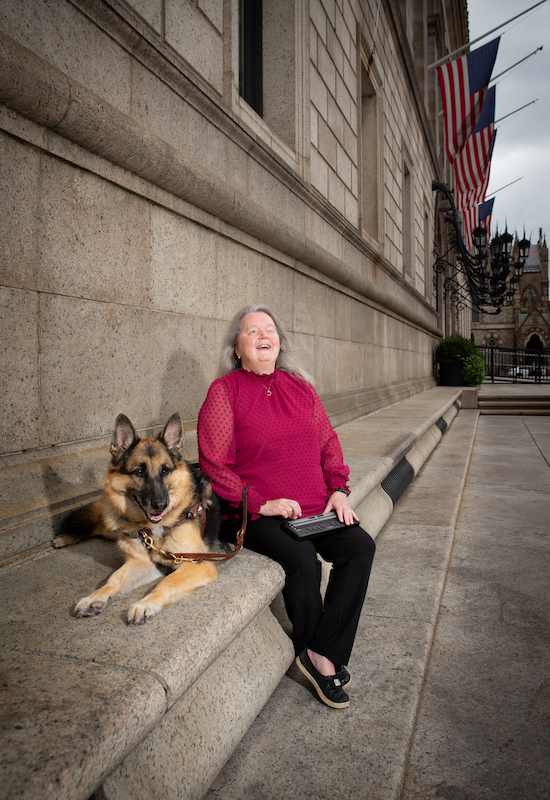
point(329, 689)
point(343, 676)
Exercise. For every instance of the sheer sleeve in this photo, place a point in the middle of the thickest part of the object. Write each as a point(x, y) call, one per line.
point(215, 433)
point(336, 473)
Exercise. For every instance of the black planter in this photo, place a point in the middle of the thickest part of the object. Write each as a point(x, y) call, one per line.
point(450, 373)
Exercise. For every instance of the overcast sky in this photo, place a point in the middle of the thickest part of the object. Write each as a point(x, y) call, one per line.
point(522, 147)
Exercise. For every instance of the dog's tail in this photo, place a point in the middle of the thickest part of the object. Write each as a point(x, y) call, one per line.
point(79, 524)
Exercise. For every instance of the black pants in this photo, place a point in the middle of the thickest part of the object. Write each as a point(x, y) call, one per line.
point(326, 628)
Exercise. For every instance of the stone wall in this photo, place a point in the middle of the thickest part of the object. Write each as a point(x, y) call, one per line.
point(144, 202)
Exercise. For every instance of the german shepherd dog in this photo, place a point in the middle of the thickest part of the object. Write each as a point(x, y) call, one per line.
point(151, 491)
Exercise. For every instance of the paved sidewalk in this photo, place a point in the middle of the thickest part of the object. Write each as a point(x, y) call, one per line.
point(483, 728)
point(450, 694)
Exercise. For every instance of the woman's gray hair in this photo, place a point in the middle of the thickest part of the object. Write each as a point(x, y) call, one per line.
point(286, 359)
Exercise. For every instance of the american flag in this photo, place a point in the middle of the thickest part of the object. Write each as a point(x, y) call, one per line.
point(478, 215)
point(468, 202)
point(473, 162)
point(475, 196)
point(484, 213)
point(463, 83)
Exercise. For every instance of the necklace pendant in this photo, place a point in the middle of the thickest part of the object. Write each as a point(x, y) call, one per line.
point(269, 392)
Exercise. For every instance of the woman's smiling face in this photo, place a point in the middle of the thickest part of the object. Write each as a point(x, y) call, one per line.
point(258, 343)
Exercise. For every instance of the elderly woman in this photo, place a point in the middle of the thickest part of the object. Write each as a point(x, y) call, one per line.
point(262, 425)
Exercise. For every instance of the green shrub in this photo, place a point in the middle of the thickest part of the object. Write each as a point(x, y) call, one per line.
point(473, 370)
point(454, 348)
point(457, 348)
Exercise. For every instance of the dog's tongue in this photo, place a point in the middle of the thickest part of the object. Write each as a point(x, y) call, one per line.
point(155, 517)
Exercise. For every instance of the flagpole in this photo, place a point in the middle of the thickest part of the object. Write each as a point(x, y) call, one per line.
point(516, 111)
point(505, 187)
point(500, 74)
point(479, 38)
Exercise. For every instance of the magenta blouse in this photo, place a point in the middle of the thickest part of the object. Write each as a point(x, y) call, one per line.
point(272, 433)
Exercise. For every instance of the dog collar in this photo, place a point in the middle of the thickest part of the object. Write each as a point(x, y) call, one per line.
point(198, 558)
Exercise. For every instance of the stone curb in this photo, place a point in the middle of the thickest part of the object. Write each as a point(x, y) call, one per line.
point(375, 495)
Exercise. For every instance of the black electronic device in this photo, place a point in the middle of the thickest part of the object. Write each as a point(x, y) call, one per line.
point(306, 527)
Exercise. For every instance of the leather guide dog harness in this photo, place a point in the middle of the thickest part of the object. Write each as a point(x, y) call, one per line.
point(146, 536)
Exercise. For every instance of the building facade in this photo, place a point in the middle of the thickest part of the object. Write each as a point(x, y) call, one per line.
point(165, 162)
point(526, 323)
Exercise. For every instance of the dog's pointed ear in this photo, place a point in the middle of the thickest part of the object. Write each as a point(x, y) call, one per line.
point(172, 434)
point(124, 437)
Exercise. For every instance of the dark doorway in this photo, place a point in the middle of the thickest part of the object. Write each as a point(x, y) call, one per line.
point(535, 343)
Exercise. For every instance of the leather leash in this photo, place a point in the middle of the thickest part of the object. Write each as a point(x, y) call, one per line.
point(198, 558)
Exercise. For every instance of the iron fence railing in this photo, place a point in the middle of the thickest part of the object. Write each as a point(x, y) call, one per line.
point(515, 365)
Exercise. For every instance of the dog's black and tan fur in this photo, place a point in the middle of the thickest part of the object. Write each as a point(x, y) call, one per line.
point(148, 485)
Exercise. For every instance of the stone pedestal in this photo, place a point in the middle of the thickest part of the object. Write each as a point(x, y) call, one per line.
point(469, 396)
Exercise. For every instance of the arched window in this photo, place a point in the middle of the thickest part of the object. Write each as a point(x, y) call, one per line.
point(529, 298)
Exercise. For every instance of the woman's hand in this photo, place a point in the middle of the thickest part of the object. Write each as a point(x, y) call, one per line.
point(339, 502)
point(289, 509)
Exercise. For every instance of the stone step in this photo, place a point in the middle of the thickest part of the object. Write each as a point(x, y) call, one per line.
point(198, 673)
point(514, 411)
point(80, 696)
point(514, 402)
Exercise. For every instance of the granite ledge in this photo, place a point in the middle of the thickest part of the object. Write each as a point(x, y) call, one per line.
point(65, 725)
point(77, 696)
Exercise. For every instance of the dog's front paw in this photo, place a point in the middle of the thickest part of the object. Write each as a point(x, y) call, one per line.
point(89, 607)
point(63, 540)
point(139, 613)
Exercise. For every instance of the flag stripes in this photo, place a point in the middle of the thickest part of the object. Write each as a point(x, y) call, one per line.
point(463, 83)
point(472, 163)
point(478, 215)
